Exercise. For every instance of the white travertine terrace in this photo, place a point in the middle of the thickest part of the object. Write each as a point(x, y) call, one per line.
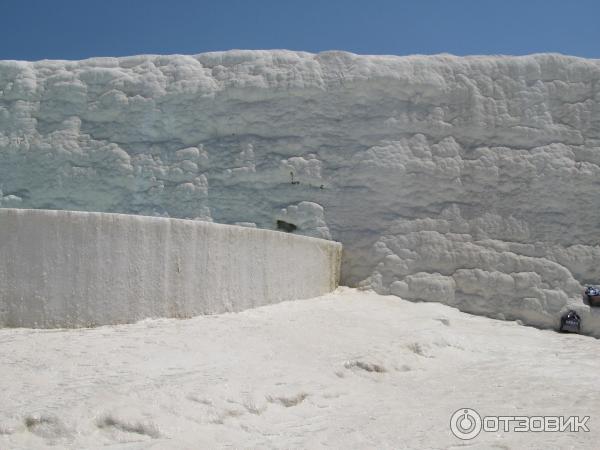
point(467, 180)
point(71, 269)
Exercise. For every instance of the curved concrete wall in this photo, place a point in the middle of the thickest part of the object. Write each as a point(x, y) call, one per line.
point(70, 269)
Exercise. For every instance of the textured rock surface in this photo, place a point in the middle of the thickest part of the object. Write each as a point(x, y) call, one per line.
point(69, 269)
point(471, 181)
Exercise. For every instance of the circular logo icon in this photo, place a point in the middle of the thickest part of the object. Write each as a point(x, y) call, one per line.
point(465, 423)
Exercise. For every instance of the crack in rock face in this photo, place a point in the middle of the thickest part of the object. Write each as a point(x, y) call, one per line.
point(469, 181)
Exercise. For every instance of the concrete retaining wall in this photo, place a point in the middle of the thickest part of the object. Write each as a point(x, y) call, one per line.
point(71, 269)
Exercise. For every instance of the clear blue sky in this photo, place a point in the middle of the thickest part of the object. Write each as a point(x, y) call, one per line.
point(75, 29)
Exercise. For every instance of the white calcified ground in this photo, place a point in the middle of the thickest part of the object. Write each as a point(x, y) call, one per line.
point(347, 370)
point(472, 181)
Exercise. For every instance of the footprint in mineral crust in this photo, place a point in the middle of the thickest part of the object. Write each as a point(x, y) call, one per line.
point(288, 401)
point(46, 426)
point(253, 406)
point(117, 426)
point(418, 349)
point(366, 366)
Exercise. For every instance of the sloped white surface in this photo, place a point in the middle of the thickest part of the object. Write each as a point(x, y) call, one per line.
point(347, 370)
point(471, 181)
point(69, 269)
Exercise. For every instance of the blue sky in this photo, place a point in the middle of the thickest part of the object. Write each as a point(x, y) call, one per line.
point(75, 29)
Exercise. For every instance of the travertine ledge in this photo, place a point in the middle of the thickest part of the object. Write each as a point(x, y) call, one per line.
point(72, 269)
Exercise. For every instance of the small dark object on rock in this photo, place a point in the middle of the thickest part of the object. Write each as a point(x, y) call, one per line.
point(593, 295)
point(570, 322)
point(286, 226)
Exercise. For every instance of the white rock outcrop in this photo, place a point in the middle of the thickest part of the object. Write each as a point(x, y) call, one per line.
point(72, 269)
point(471, 181)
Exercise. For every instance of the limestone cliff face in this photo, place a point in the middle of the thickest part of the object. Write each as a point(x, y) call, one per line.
point(472, 181)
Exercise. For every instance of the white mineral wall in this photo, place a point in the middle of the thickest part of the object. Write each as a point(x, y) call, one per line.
point(69, 269)
point(472, 181)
